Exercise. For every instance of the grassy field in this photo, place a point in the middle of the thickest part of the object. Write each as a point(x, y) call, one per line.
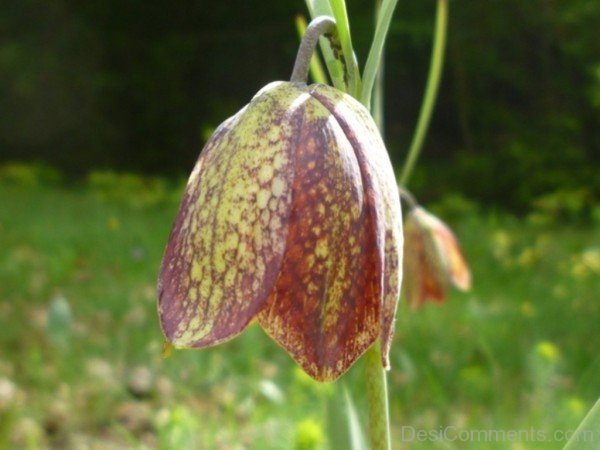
point(80, 345)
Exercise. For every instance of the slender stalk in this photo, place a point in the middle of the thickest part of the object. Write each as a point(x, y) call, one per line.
point(433, 82)
point(315, 29)
point(316, 69)
point(379, 418)
point(408, 198)
point(377, 104)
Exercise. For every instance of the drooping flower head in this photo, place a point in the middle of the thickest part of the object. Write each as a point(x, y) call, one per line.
point(432, 259)
point(290, 218)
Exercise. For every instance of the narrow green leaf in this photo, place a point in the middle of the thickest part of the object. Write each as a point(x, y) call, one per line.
point(374, 60)
point(356, 436)
point(587, 435)
point(433, 83)
point(317, 72)
point(377, 102)
point(341, 17)
point(319, 8)
point(343, 424)
point(335, 67)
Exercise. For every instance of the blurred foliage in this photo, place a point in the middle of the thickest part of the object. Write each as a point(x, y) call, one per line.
point(134, 86)
point(131, 189)
point(29, 175)
point(563, 205)
point(309, 435)
point(80, 343)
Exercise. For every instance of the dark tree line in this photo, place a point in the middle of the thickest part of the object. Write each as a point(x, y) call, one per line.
point(136, 85)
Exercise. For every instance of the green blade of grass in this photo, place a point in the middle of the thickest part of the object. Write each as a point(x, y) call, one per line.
point(587, 433)
point(343, 424)
point(375, 53)
point(353, 75)
point(433, 83)
point(319, 8)
point(377, 103)
point(356, 436)
point(334, 64)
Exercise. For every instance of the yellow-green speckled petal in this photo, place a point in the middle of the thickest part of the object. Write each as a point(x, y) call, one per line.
point(228, 240)
point(382, 195)
point(325, 308)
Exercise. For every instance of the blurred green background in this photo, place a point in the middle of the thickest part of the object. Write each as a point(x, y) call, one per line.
point(138, 85)
point(104, 107)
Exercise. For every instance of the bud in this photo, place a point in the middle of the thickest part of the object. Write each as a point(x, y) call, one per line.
point(432, 259)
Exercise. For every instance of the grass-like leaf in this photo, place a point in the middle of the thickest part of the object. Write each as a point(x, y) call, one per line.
point(356, 436)
point(334, 64)
point(586, 435)
point(353, 74)
point(375, 53)
point(433, 83)
point(343, 424)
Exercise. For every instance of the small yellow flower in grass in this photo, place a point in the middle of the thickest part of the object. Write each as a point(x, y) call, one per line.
point(591, 258)
point(576, 406)
point(548, 351)
point(432, 259)
point(309, 435)
point(586, 263)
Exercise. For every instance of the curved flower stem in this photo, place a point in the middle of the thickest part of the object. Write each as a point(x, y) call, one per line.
point(408, 198)
point(433, 82)
point(379, 418)
point(317, 72)
point(315, 29)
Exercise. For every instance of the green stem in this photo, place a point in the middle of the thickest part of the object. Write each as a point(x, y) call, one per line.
point(408, 198)
point(433, 82)
point(379, 418)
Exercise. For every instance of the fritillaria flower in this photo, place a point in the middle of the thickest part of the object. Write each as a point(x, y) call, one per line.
point(432, 259)
point(290, 218)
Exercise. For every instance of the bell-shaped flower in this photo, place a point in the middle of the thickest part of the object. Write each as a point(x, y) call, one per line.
point(290, 218)
point(432, 259)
